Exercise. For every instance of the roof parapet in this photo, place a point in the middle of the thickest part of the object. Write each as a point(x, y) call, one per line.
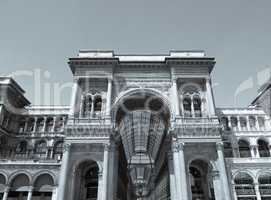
point(140, 57)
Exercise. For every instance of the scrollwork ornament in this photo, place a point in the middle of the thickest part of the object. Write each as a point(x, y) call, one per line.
point(66, 147)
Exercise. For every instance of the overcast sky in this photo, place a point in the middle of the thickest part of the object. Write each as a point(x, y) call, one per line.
point(38, 34)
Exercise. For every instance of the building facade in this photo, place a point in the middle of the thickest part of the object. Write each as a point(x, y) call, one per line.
point(139, 127)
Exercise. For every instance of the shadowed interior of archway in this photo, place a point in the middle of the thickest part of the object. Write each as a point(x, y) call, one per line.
point(142, 124)
point(86, 181)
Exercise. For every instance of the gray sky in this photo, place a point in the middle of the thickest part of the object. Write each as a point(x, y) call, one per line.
point(43, 34)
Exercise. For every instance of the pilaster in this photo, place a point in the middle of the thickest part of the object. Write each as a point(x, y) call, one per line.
point(222, 169)
point(64, 172)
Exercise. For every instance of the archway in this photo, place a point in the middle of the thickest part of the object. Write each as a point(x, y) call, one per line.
point(263, 148)
point(43, 187)
point(244, 187)
point(19, 187)
point(264, 181)
point(2, 185)
point(86, 181)
point(201, 181)
point(142, 119)
point(244, 149)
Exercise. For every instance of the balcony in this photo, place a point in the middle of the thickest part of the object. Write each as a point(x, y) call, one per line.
point(88, 127)
point(197, 127)
point(197, 121)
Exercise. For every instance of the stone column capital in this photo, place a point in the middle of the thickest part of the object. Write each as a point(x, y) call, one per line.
point(220, 146)
point(7, 188)
point(177, 146)
point(66, 147)
point(31, 188)
point(107, 147)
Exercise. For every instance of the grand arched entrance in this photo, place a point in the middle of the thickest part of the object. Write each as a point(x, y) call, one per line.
point(201, 181)
point(142, 121)
point(86, 181)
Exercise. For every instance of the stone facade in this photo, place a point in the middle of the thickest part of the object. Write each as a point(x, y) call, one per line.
point(139, 127)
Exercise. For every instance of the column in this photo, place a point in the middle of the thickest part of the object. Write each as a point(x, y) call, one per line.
point(183, 189)
point(73, 98)
point(108, 97)
point(64, 172)
point(172, 182)
point(63, 123)
point(5, 196)
point(35, 124)
point(175, 96)
point(192, 107)
point(30, 192)
point(238, 123)
point(217, 185)
point(100, 185)
point(54, 193)
point(25, 125)
point(82, 104)
point(176, 167)
point(92, 106)
point(223, 173)
point(229, 121)
point(181, 105)
point(248, 123)
point(44, 125)
point(112, 180)
point(202, 100)
point(257, 191)
point(254, 151)
point(209, 97)
point(105, 171)
point(54, 124)
point(257, 123)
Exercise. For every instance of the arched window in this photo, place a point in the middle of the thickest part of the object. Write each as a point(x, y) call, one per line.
point(91, 180)
point(43, 187)
point(19, 187)
point(59, 124)
point(58, 150)
point(49, 124)
point(200, 180)
point(244, 149)
point(86, 181)
point(252, 122)
point(263, 148)
point(21, 149)
point(88, 106)
point(40, 124)
point(196, 182)
point(22, 125)
point(187, 107)
point(244, 187)
point(243, 122)
point(228, 149)
point(234, 122)
point(98, 104)
point(197, 106)
point(265, 186)
point(40, 149)
point(225, 123)
point(261, 122)
point(30, 125)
